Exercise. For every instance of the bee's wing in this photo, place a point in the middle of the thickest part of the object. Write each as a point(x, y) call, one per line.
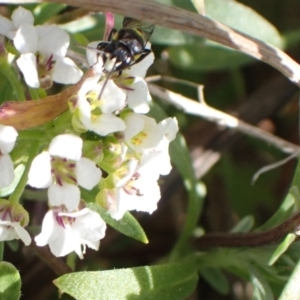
point(146, 29)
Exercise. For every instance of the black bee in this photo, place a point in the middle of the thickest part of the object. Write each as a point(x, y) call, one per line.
point(125, 47)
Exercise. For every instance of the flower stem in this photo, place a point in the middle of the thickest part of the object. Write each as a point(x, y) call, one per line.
point(15, 196)
point(34, 93)
point(13, 79)
point(37, 94)
point(252, 239)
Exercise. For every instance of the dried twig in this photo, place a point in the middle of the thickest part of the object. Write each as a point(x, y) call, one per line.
point(192, 23)
point(251, 239)
point(201, 109)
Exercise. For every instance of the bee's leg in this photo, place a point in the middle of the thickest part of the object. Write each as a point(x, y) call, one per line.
point(141, 56)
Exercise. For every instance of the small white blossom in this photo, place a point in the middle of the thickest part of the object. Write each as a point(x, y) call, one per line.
point(142, 133)
point(136, 89)
point(66, 232)
point(95, 114)
point(136, 190)
point(138, 96)
point(13, 230)
point(43, 50)
point(11, 217)
point(8, 136)
point(19, 16)
point(159, 158)
point(61, 169)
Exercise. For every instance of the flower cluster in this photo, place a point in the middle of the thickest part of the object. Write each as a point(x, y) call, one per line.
point(111, 147)
point(114, 108)
point(42, 50)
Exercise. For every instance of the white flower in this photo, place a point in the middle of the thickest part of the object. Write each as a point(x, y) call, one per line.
point(137, 190)
point(137, 92)
point(13, 230)
point(95, 114)
point(138, 96)
point(43, 50)
point(8, 136)
point(19, 16)
point(159, 159)
point(142, 133)
point(62, 168)
point(11, 217)
point(66, 232)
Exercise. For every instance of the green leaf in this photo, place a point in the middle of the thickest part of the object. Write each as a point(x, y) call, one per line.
point(206, 57)
point(10, 282)
point(261, 288)
point(167, 282)
point(282, 247)
point(244, 225)
point(180, 157)
point(43, 12)
point(217, 279)
point(239, 16)
point(283, 212)
point(292, 289)
point(18, 172)
point(128, 225)
point(193, 54)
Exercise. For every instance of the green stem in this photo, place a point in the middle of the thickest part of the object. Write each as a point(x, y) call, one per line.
point(34, 94)
point(106, 167)
point(42, 93)
point(71, 261)
point(13, 79)
point(1, 251)
point(15, 196)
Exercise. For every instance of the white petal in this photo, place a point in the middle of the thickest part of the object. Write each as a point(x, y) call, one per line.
point(67, 195)
point(66, 146)
point(106, 124)
point(7, 233)
point(138, 98)
point(94, 57)
point(8, 136)
point(131, 168)
point(6, 26)
point(87, 173)
point(52, 40)
point(150, 133)
point(147, 202)
point(26, 39)
point(112, 98)
point(65, 71)
point(134, 125)
point(116, 210)
point(22, 16)
point(22, 233)
point(65, 243)
point(88, 85)
point(50, 229)
point(90, 226)
point(169, 127)
point(27, 65)
point(140, 69)
point(6, 171)
point(40, 171)
point(155, 162)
